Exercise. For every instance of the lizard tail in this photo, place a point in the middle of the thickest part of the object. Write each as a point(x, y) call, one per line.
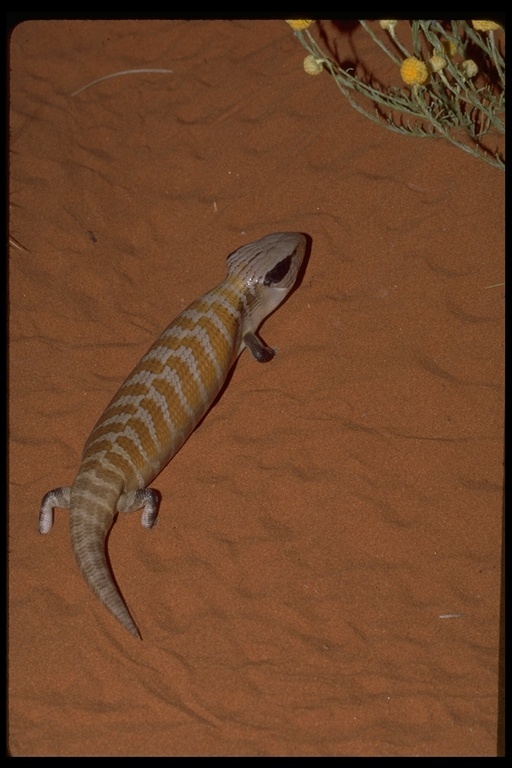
point(90, 521)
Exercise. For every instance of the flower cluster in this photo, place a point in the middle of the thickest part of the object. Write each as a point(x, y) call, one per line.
point(448, 94)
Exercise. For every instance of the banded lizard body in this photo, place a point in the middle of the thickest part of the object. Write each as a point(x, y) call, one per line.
point(163, 400)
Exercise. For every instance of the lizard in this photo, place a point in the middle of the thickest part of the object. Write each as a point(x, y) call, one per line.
point(163, 399)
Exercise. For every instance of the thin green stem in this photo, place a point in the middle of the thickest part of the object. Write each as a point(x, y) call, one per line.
point(381, 45)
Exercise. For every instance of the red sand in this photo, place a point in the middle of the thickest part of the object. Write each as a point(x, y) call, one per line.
point(336, 503)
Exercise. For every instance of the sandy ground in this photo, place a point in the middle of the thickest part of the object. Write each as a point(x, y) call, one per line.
point(325, 575)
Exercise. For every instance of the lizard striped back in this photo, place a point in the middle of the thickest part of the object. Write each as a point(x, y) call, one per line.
point(162, 401)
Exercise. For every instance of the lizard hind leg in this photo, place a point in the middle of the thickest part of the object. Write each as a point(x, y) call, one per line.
point(58, 497)
point(145, 498)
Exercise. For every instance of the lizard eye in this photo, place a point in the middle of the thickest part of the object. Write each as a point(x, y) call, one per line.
point(278, 272)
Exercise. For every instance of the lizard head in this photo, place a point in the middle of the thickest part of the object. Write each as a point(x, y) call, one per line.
point(268, 269)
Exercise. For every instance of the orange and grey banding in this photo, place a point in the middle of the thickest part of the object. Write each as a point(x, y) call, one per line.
point(162, 401)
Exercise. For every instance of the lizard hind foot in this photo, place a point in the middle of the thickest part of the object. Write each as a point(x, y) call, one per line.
point(145, 498)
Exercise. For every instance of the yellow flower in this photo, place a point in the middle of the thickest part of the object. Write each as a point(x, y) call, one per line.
point(388, 24)
point(312, 65)
point(413, 71)
point(484, 26)
point(437, 62)
point(469, 68)
point(449, 47)
point(298, 24)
